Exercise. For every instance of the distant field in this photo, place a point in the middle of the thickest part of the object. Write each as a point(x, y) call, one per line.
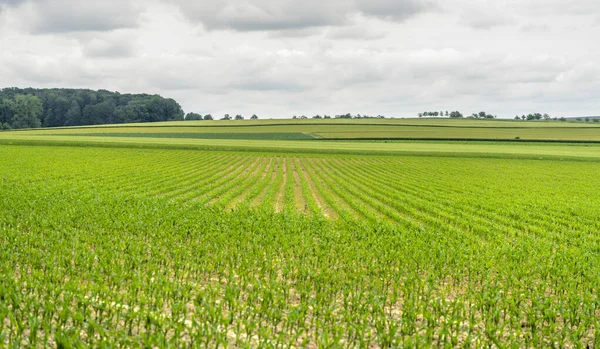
point(388, 121)
point(346, 129)
point(446, 148)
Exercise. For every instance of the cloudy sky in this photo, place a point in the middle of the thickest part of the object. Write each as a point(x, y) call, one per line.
point(278, 58)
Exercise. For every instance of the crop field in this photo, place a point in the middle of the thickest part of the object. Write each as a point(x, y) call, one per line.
point(166, 246)
point(338, 129)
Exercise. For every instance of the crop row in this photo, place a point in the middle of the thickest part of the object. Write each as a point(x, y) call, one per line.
point(159, 248)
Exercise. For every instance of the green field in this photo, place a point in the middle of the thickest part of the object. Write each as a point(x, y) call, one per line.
point(245, 241)
point(350, 129)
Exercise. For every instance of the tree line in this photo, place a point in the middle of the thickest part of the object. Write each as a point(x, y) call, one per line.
point(32, 108)
point(484, 115)
point(196, 116)
point(456, 114)
point(537, 116)
point(340, 116)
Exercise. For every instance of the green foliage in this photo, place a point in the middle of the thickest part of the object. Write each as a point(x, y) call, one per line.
point(483, 115)
point(535, 116)
point(175, 248)
point(193, 116)
point(72, 107)
point(27, 111)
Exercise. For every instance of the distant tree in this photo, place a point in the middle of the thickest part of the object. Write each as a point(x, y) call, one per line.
point(587, 119)
point(6, 112)
point(226, 117)
point(193, 116)
point(317, 117)
point(56, 107)
point(101, 113)
point(254, 117)
point(239, 117)
point(447, 114)
point(482, 115)
point(456, 114)
point(73, 116)
point(546, 117)
point(63, 107)
point(562, 119)
point(420, 115)
point(27, 111)
point(517, 117)
point(5, 126)
point(326, 117)
point(294, 117)
point(208, 117)
point(596, 120)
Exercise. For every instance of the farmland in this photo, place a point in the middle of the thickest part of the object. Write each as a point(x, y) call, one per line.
point(340, 129)
point(143, 241)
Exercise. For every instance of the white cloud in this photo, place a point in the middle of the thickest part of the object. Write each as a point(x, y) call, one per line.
point(279, 58)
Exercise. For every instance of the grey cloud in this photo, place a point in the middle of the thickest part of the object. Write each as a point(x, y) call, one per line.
point(483, 22)
point(266, 84)
point(44, 71)
point(109, 48)
point(67, 16)
point(4, 3)
point(486, 15)
point(395, 9)
point(269, 15)
point(170, 82)
point(264, 15)
point(295, 32)
point(353, 32)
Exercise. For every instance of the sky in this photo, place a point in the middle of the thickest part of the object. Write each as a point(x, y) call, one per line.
point(278, 58)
